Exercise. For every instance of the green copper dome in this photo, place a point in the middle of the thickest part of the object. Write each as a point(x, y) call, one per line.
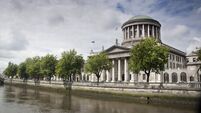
point(141, 18)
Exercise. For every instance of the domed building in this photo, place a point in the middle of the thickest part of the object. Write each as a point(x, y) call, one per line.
point(139, 27)
point(134, 30)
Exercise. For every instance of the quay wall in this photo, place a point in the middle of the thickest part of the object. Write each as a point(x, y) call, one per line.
point(152, 89)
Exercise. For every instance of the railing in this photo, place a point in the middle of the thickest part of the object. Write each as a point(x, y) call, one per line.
point(138, 85)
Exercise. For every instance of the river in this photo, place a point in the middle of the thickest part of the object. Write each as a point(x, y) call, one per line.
point(24, 100)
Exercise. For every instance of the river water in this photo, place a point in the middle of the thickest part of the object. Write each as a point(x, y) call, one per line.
point(24, 100)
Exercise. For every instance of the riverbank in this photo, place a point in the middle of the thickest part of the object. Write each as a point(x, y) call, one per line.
point(140, 95)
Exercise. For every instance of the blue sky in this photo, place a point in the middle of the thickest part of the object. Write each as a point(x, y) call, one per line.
point(37, 27)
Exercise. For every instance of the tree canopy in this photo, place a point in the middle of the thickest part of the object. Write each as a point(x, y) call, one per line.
point(48, 66)
point(22, 71)
point(148, 56)
point(97, 63)
point(11, 70)
point(34, 67)
point(69, 65)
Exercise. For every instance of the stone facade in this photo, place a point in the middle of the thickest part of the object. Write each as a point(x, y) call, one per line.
point(178, 69)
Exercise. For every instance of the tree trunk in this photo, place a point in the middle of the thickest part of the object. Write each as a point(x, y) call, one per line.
point(148, 74)
point(97, 79)
point(148, 77)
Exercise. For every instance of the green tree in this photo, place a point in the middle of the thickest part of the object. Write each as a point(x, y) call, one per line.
point(48, 66)
point(22, 71)
point(11, 70)
point(34, 68)
point(69, 65)
point(148, 56)
point(97, 63)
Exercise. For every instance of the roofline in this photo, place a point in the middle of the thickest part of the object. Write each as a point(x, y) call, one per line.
point(116, 46)
point(141, 20)
point(174, 50)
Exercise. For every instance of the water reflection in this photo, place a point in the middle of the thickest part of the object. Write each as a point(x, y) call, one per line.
point(25, 100)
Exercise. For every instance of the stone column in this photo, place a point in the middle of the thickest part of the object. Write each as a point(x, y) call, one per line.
point(153, 31)
point(108, 76)
point(113, 71)
point(124, 33)
point(156, 28)
point(103, 75)
point(136, 78)
point(143, 31)
point(126, 70)
point(178, 77)
point(133, 31)
point(119, 70)
point(138, 32)
point(128, 32)
point(148, 31)
point(132, 77)
point(170, 78)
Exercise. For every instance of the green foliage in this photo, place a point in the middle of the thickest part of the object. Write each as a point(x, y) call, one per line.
point(11, 70)
point(69, 65)
point(48, 66)
point(148, 56)
point(22, 71)
point(97, 63)
point(34, 67)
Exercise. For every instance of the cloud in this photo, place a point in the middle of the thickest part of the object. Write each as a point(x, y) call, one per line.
point(14, 40)
point(193, 44)
point(199, 10)
point(38, 27)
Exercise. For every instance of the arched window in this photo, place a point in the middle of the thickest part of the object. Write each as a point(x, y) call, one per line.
point(183, 76)
point(191, 78)
point(166, 77)
point(174, 77)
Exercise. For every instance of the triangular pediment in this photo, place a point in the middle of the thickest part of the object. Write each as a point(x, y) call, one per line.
point(116, 49)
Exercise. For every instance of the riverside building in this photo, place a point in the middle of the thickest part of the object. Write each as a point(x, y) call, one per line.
point(180, 67)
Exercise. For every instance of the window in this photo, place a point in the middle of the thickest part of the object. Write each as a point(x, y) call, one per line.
point(150, 31)
point(172, 57)
point(146, 30)
point(191, 78)
point(194, 60)
point(183, 76)
point(187, 60)
point(144, 77)
point(135, 31)
point(140, 27)
point(171, 65)
point(130, 32)
point(166, 77)
point(174, 77)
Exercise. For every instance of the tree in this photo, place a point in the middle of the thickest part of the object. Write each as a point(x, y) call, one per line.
point(48, 66)
point(69, 65)
point(11, 70)
point(34, 68)
point(148, 56)
point(97, 63)
point(22, 71)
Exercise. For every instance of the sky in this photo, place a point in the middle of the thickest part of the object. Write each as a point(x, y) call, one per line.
point(37, 27)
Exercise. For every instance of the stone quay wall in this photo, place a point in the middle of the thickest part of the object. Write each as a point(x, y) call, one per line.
point(143, 89)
